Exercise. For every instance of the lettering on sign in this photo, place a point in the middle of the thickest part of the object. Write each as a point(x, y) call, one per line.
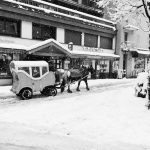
point(91, 49)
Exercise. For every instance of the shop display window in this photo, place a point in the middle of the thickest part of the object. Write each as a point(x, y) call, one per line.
point(139, 64)
point(5, 60)
point(104, 66)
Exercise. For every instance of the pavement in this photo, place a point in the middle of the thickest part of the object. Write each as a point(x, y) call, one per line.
point(5, 91)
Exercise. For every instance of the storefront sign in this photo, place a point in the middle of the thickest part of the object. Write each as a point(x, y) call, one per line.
point(91, 49)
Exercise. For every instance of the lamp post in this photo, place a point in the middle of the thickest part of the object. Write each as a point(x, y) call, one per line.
point(148, 90)
point(125, 49)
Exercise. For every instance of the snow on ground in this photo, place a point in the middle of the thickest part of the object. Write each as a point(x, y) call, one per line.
point(109, 117)
point(6, 93)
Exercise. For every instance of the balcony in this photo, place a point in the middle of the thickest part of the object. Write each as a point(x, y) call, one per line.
point(57, 10)
point(87, 7)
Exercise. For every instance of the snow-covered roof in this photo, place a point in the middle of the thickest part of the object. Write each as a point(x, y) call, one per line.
point(29, 63)
point(48, 42)
point(62, 14)
point(73, 53)
point(12, 46)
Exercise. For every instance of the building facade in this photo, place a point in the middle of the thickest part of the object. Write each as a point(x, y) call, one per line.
point(74, 24)
point(133, 45)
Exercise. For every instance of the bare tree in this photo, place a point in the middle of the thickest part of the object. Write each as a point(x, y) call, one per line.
point(116, 10)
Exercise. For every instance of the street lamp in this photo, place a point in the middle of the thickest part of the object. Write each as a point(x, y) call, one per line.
point(125, 49)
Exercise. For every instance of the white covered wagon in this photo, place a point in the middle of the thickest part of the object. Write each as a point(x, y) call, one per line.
point(32, 76)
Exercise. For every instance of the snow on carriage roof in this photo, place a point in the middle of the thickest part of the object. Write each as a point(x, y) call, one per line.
point(29, 63)
point(62, 14)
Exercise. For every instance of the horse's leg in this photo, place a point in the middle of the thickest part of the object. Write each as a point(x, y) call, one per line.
point(85, 80)
point(78, 85)
point(62, 86)
point(69, 81)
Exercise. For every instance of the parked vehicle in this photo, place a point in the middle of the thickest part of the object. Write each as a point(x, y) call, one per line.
point(32, 76)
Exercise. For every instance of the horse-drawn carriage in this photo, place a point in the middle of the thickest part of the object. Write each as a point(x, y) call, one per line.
point(34, 76)
point(30, 77)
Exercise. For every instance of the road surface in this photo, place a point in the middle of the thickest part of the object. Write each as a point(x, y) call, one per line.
point(101, 119)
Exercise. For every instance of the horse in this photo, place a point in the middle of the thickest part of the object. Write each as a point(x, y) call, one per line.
point(67, 77)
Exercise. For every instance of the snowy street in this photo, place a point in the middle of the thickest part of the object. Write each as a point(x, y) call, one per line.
point(107, 118)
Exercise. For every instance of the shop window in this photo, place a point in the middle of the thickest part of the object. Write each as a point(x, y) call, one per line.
point(106, 42)
point(5, 60)
point(43, 32)
point(73, 36)
point(90, 40)
point(10, 27)
point(44, 70)
point(139, 64)
point(103, 66)
point(25, 69)
point(35, 72)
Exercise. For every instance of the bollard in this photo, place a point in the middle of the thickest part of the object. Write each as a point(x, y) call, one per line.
point(148, 92)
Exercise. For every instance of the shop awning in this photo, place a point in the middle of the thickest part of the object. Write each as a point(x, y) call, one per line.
point(49, 47)
point(12, 48)
point(93, 55)
point(131, 27)
point(52, 48)
point(143, 52)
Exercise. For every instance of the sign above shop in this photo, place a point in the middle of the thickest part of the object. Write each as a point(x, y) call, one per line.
point(92, 49)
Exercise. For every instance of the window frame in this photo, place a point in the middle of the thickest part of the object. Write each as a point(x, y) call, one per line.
point(42, 31)
point(15, 23)
point(107, 44)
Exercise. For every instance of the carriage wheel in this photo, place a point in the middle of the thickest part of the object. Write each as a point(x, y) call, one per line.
point(26, 94)
point(51, 91)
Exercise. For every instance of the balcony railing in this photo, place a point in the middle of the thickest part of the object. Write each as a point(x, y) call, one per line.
point(62, 10)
